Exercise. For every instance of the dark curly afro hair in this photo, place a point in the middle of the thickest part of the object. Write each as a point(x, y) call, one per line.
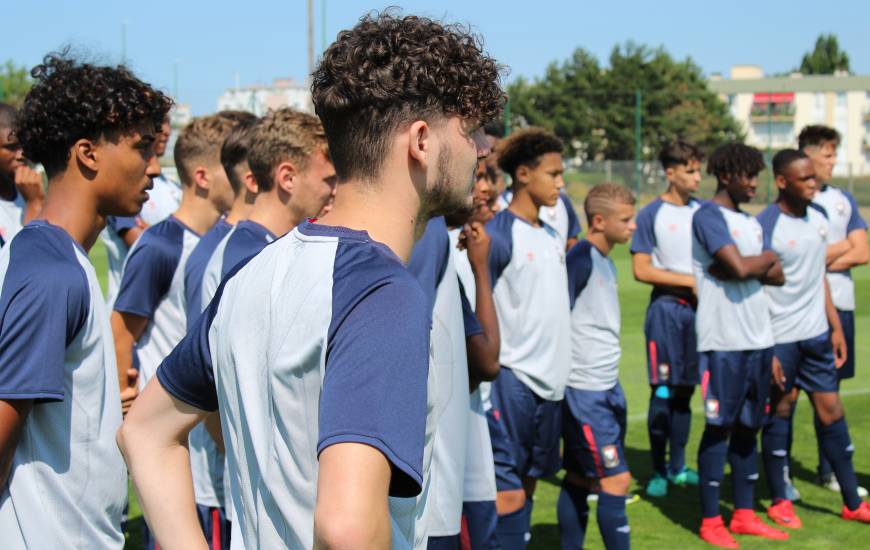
point(71, 100)
point(390, 70)
point(525, 148)
point(735, 160)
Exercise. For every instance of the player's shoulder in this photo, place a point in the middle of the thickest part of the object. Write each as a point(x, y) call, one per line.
point(649, 211)
point(816, 209)
point(45, 255)
point(582, 251)
point(769, 216)
point(706, 211)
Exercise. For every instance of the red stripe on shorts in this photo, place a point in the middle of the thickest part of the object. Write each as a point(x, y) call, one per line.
point(464, 535)
point(216, 529)
point(590, 440)
point(653, 362)
point(705, 381)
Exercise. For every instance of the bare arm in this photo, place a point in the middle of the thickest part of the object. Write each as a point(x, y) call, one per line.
point(13, 413)
point(129, 236)
point(836, 250)
point(126, 329)
point(352, 508)
point(153, 440)
point(483, 349)
point(646, 272)
point(838, 339)
point(729, 264)
point(29, 183)
point(774, 275)
point(212, 424)
point(858, 253)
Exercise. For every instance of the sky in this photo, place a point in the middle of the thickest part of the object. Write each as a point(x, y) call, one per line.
point(204, 46)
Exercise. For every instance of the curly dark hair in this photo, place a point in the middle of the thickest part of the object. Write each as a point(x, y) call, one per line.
point(678, 153)
point(735, 160)
point(525, 147)
point(71, 100)
point(390, 70)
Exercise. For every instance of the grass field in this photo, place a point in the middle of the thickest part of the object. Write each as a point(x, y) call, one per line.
point(672, 522)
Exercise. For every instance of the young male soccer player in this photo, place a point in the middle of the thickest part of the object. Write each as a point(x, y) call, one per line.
point(594, 409)
point(662, 257)
point(165, 197)
point(337, 328)
point(21, 192)
point(289, 160)
point(527, 265)
point(810, 345)
point(844, 223)
point(62, 480)
point(735, 341)
point(561, 217)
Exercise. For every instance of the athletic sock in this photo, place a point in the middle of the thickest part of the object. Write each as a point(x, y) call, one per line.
point(613, 521)
point(529, 506)
point(572, 510)
point(711, 469)
point(743, 457)
point(658, 427)
point(681, 422)
point(838, 448)
point(824, 468)
point(511, 530)
point(790, 441)
point(774, 445)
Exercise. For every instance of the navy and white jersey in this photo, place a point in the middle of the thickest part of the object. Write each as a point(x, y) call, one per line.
point(530, 290)
point(194, 269)
point(11, 218)
point(245, 239)
point(321, 339)
point(432, 263)
point(843, 218)
point(152, 286)
point(116, 251)
point(562, 216)
point(797, 308)
point(732, 315)
point(68, 483)
point(595, 319)
point(163, 199)
point(664, 231)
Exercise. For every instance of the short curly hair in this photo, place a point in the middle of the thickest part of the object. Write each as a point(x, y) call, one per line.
point(72, 100)
point(390, 70)
point(525, 147)
point(735, 160)
point(284, 135)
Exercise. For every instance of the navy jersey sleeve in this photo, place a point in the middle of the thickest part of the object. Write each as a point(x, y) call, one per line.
point(44, 303)
point(147, 277)
point(855, 220)
point(120, 224)
point(573, 220)
point(501, 244)
point(375, 381)
point(579, 264)
point(767, 219)
point(710, 229)
point(469, 319)
point(644, 239)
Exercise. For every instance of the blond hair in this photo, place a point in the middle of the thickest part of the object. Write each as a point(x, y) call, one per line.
point(602, 198)
point(200, 143)
point(284, 135)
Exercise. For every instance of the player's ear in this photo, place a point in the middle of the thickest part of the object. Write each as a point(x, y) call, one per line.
point(200, 178)
point(522, 173)
point(420, 142)
point(86, 155)
point(780, 181)
point(286, 176)
point(669, 172)
point(250, 183)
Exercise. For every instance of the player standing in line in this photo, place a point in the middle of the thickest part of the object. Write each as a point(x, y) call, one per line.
point(494, 134)
point(289, 159)
point(845, 223)
point(527, 266)
point(165, 197)
point(810, 345)
point(662, 257)
point(21, 191)
point(62, 480)
point(562, 217)
point(594, 410)
point(336, 326)
point(731, 262)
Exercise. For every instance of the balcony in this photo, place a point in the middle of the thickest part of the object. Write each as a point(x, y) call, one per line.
point(774, 112)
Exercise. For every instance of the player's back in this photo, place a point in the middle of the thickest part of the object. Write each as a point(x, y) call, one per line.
point(194, 268)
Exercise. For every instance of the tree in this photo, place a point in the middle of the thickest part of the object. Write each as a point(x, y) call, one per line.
point(593, 108)
point(15, 82)
point(826, 57)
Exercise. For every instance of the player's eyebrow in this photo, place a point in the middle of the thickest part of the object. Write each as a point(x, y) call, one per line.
point(145, 140)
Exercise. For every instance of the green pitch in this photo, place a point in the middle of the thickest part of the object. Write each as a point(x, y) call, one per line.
point(672, 522)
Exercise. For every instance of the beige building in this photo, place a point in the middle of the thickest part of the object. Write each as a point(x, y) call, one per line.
point(773, 110)
point(259, 98)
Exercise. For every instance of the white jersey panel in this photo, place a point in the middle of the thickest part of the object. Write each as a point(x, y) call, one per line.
point(163, 200)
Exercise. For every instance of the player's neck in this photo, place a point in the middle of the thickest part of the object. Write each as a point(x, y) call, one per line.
point(241, 208)
point(600, 242)
point(523, 206)
point(792, 207)
point(196, 211)
point(723, 198)
point(69, 206)
point(675, 196)
point(275, 214)
point(389, 210)
point(8, 192)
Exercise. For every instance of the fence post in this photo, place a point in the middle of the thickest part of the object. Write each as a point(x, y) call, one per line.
point(638, 98)
point(851, 179)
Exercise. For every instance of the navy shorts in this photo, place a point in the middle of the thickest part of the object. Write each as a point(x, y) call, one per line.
point(450, 542)
point(507, 478)
point(593, 427)
point(672, 356)
point(533, 425)
point(479, 522)
point(735, 386)
point(809, 364)
point(847, 319)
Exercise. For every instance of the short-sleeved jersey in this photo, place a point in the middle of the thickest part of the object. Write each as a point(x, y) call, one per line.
point(321, 339)
point(194, 268)
point(797, 308)
point(732, 315)
point(163, 199)
point(245, 239)
point(11, 218)
point(68, 484)
point(595, 319)
point(116, 251)
point(664, 232)
point(562, 216)
point(530, 290)
point(843, 218)
point(152, 286)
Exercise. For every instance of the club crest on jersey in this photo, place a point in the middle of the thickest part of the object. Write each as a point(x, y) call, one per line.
point(823, 231)
point(611, 456)
point(664, 370)
point(551, 212)
point(712, 407)
point(841, 208)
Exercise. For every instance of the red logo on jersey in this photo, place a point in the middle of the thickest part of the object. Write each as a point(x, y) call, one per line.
point(672, 227)
point(735, 233)
point(792, 243)
point(530, 255)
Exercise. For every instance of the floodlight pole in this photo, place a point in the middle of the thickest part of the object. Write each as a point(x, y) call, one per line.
point(638, 99)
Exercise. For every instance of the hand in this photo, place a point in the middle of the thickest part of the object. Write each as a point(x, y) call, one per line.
point(29, 184)
point(841, 352)
point(777, 377)
point(476, 241)
point(717, 271)
point(129, 394)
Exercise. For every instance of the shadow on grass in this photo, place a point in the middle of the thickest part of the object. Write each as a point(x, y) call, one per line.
point(135, 529)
